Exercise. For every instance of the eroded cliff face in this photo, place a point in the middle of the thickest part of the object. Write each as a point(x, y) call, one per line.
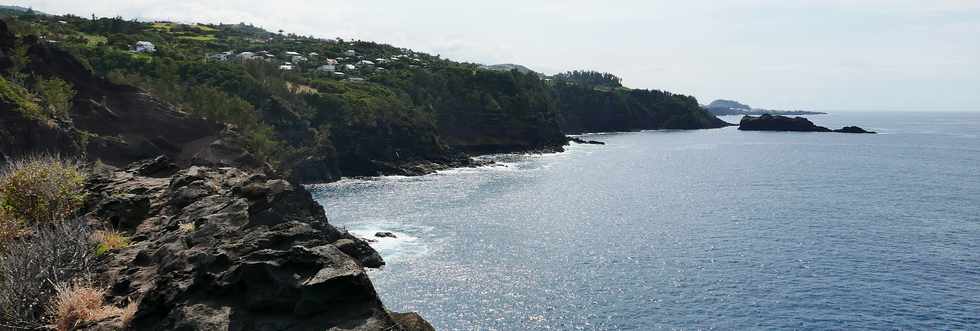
point(227, 249)
point(115, 124)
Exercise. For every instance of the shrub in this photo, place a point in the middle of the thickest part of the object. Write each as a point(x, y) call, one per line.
point(16, 95)
point(76, 303)
point(52, 253)
point(107, 240)
point(57, 94)
point(41, 189)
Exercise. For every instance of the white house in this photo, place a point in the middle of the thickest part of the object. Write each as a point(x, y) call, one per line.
point(350, 52)
point(299, 58)
point(246, 56)
point(290, 53)
point(332, 62)
point(313, 54)
point(286, 67)
point(144, 47)
point(339, 74)
point(223, 56)
point(327, 68)
point(349, 67)
point(366, 63)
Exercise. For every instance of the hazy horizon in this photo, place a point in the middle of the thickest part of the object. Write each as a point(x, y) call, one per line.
point(816, 55)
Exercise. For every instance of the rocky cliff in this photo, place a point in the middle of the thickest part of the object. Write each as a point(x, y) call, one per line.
point(226, 249)
point(768, 122)
point(588, 109)
point(218, 240)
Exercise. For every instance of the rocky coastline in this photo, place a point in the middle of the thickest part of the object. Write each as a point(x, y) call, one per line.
point(219, 248)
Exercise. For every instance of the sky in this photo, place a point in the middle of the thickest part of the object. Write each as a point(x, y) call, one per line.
point(833, 55)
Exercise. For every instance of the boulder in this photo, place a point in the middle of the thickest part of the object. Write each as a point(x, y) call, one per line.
point(385, 234)
point(583, 141)
point(853, 129)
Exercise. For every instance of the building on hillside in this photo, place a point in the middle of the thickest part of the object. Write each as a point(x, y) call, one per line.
point(331, 62)
point(223, 56)
point(350, 52)
point(144, 47)
point(299, 58)
point(356, 79)
point(327, 68)
point(286, 67)
point(350, 67)
point(339, 74)
point(246, 56)
point(365, 63)
point(291, 53)
point(313, 54)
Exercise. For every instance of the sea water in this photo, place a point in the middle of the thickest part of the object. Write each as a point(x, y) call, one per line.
point(701, 229)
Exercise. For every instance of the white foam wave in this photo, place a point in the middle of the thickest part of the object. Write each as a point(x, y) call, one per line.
point(406, 245)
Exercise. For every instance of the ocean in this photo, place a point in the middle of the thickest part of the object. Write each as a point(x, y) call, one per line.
point(704, 229)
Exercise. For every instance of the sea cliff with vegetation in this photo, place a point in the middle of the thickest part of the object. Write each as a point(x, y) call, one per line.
point(151, 171)
point(319, 109)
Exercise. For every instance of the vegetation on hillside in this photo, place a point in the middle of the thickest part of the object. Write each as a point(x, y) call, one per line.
point(354, 103)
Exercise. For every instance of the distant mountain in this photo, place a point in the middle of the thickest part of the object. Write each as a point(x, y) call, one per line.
point(18, 10)
point(728, 107)
point(729, 104)
point(508, 67)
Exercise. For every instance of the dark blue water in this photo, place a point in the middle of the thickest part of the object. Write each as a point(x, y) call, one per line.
point(692, 229)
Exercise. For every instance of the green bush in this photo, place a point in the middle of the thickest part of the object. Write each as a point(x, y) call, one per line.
point(41, 189)
point(57, 94)
point(16, 95)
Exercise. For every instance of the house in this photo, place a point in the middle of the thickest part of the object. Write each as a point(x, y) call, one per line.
point(299, 58)
point(332, 62)
point(327, 68)
point(366, 63)
point(350, 52)
point(223, 56)
point(286, 67)
point(144, 47)
point(245, 56)
point(350, 67)
point(313, 54)
point(339, 74)
point(292, 53)
point(356, 79)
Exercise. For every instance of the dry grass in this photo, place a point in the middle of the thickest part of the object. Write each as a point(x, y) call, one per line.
point(187, 227)
point(49, 254)
point(73, 304)
point(107, 240)
point(128, 312)
point(296, 88)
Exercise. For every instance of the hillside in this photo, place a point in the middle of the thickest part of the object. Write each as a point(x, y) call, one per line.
point(728, 107)
point(317, 109)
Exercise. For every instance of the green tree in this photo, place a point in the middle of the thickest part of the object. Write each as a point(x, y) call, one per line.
point(57, 95)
